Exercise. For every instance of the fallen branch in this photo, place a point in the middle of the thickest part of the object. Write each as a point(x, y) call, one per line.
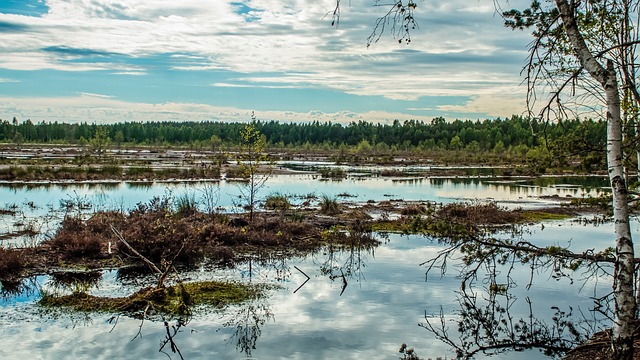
point(135, 252)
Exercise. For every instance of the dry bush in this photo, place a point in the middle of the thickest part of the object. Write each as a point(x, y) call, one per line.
point(477, 213)
point(11, 264)
point(159, 235)
point(413, 209)
point(102, 221)
point(75, 240)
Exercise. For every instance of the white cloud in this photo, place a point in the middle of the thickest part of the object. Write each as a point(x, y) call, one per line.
point(100, 108)
point(96, 95)
point(460, 49)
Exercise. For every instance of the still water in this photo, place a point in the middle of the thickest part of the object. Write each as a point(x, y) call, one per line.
point(387, 299)
point(124, 195)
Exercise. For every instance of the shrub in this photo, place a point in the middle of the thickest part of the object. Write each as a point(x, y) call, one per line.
point(413, 209)
point(277, 201)
point(75, 240)
point(186, 204)
point(11, 264)
point(329, 205)
point(335, 173)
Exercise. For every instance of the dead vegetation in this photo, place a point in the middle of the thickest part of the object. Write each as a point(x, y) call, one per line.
point(160, 233)
point(12, 263)
point(599, 346)
point(164, 234)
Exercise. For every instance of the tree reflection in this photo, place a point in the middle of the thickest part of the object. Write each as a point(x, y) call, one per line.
point(75, 281)
point(10, 289)
point(247, 323)
point(347, 260)
point(484, 320)
point(485, 325)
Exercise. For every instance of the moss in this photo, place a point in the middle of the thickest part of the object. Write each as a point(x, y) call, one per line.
point(174, 300)
point(390, 226)
point(537, 216)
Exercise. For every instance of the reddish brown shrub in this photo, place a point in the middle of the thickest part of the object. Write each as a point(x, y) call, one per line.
point(74, 240)
point(11, 264)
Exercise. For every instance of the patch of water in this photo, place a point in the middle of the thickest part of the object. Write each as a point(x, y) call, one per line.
point(385, 300)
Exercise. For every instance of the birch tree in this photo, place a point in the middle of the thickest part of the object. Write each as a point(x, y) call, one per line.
point(583, 43)
point(583, 51)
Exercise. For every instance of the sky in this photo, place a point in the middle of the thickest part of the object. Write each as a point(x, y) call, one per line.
point(106, 61)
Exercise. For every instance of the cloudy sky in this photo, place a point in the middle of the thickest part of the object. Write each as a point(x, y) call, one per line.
point(137, 60)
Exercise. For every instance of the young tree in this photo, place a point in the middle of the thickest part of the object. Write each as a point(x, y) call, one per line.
point(582, 49)
point(119, 138)
point(100, 141)
point(251, 157)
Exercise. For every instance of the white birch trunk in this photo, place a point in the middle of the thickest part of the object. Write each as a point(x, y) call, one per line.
point(625, 308)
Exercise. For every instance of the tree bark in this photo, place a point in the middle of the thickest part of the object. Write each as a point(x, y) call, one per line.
point(625, 307)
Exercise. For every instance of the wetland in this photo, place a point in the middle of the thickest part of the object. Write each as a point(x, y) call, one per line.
point(339, 261)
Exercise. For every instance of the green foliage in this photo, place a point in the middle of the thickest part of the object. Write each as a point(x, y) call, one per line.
point(251, 158)
point(579, 141)
point(100, 141)
point(361, 135)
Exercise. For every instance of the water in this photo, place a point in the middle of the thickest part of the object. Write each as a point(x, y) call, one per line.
point(41, 206)
point(385, 300)
point(383, 305)
point(126, 194)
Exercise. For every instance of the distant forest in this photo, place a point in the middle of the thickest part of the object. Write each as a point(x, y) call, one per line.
point(485, 135)
point(579, 144)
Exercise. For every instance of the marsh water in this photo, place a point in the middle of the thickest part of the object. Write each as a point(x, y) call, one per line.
point(386, 302)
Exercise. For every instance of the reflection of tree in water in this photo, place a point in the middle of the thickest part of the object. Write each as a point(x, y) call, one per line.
point(75, 281)
point(265, 266)
point(485, 323)
point(24, 287)
point(247, 323)
point(347, 260)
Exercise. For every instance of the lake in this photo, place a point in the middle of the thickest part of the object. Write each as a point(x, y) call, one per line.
point(385, 302)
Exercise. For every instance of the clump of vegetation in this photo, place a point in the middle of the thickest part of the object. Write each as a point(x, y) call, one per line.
point(413, 209)
point(392, 173)
point(11, 264)
point(277, 201)
point(158, 233)
point(459, 221)
point(477, 213)
point(75, 240)
point(329, 205)
point(186, 204)
point(174, 300)
point(408, 353)
point(236, 173)
point(602, 203)
point(332, 173)
point(163, 233)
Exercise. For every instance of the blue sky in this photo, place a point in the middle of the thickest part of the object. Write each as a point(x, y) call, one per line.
point(152, 60)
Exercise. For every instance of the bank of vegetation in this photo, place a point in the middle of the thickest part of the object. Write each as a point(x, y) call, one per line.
point(576, 144)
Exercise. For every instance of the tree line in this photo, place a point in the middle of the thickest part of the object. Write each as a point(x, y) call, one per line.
point(478, 135)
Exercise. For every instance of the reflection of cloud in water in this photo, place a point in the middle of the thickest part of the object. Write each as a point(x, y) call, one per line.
point(371, 319)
